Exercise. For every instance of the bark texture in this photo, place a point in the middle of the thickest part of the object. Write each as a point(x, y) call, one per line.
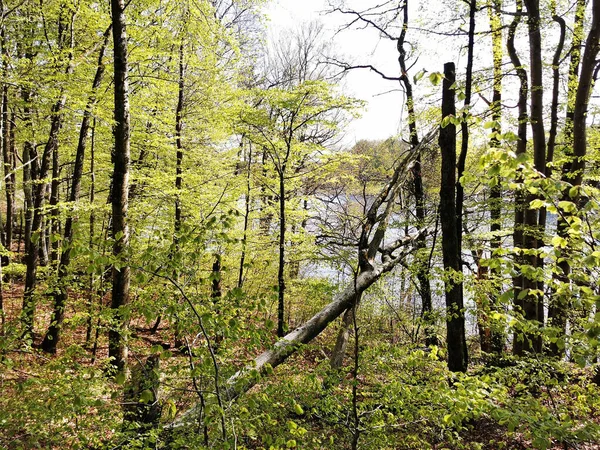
point(457, 345)
point(117, 336)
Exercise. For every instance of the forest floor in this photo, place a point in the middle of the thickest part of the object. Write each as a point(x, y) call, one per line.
point(404, 397)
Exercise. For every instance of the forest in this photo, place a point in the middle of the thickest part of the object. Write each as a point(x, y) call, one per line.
point(195, 255)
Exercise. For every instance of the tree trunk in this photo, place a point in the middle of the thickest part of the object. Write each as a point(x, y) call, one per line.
point(179, 145)
point(216, 291)
point(457, 346)
point(117, 336)
point(240, 283)
point(557, 310)
point(39, 171)
point(532, 239)
point(53, 226)
point(89, 324)
point(281, 269)
point(520, 204)
point(9, 169)
point(464, 130)
point(341, 343)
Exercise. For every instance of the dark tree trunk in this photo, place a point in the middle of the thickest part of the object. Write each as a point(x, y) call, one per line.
point(216, 291)
point(281, 327)
point(179, 145)
point(532, 305)
point(27, 164)
point(39, 171)
point(178, 219)
point(558, 303)
point(464, 129)
point(520, 204)
point(9, 168)
point(53, 226)
point(457, 345)
point(246, 219)
point(117, 345)
point(554, 106)
point(89, 324)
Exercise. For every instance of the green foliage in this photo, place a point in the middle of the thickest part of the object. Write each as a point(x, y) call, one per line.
point(60, 403)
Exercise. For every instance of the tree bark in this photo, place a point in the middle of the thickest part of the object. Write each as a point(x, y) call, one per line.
point(532, 238)
point(179, 145)
point(464, 129)
point(343, 337)
point(281, 326)
point(8, 156)
point(520, 203)
point(117, 345)
point(240, 283)
point(38, 173)
point(457, 345)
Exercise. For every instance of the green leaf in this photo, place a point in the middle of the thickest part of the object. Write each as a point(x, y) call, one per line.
point(574, 191)
point(298, 409)
point(146, 396)
point(419, 75)
point(537, 204)
point(559, 242)
point(568, 207)
point(435, 78)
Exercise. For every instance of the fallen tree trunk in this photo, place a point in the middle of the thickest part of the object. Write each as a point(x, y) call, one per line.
point(247, 377)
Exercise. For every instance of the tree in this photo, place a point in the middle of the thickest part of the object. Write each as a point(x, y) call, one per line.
point(455, 319)
point(292, 126)
point(373, 262)
point(120, 191)
point(574, 168)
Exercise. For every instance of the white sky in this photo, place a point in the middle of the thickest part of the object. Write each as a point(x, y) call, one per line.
point(381, 118)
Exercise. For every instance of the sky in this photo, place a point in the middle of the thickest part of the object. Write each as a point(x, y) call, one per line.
point(381, 117)
point(384, 115)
